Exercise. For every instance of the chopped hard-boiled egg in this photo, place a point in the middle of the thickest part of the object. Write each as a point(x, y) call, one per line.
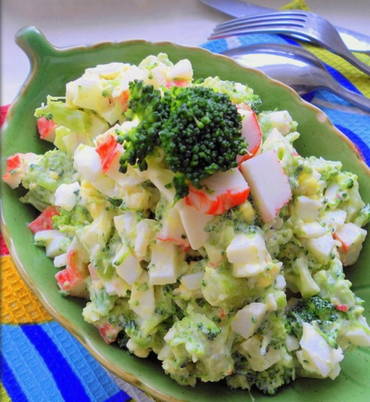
point(358, 333)
point(125, 225)
point(144, 234)
point(87, 162)
point(194, 223)
point(306, 208)
point(258, 359)
point(247, 320)
point(321, 247)
point(60, 260)
point(54, 241)
point(351, 238)
point(163, 267)
point(316, 356)
point(142, 300)
point(306, 284)
point(248, 254)
point(334, 219)
point(66, 195)
point(281, 120)
point(269, 184)
point(182, 70)
point(192, 281)
point(310, 230)
point(127, 265)
point(172, 227)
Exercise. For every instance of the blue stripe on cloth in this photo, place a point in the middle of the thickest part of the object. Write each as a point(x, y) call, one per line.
point(290, 40)
point(216, 46)
point(328, 96)
point(119, 397)
point(68, 383)
point(10, 383)
point(341, 79)
point(98, 384)
point(361, 145)
point(29, 370)
point(252, 39)
point(356, 122)
point(308, 96)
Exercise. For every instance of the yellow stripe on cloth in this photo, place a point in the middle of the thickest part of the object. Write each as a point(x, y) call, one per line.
point(4, 397)
point(357, 77)
point(18, 304)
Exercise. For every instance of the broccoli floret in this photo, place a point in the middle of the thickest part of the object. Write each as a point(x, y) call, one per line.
point(201, 136)
point(45, 176)
point(267, 381)
point(322, 308)
point(270, 380)
point(70, 221)
point(103, 302)
point(313, 309)
point(146, 105)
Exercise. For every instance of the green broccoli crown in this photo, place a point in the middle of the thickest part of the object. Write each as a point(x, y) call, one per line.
point(146, 105)
point(270, 380)
point(202, 134)
point(267, 381)
point(198, 129)
point(312, 309)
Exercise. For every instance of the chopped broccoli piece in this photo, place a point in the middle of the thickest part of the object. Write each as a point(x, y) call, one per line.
point(44, 177)
point(146, 105)
point(267, 381)
point(70, 221)
point(270, 380)
point(313, 309)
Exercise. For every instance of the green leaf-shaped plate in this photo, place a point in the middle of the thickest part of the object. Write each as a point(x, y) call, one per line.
point(51, 69)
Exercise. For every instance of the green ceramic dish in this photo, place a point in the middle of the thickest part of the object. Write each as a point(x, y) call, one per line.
point(51, 69)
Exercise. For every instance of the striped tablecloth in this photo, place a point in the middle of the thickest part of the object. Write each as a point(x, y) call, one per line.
point(41, 361)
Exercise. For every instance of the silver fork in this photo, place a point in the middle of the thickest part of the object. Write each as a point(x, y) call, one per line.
point(306, 24)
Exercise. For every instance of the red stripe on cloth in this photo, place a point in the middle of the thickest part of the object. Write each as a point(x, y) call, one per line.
point(3, 249)
point(3, 112)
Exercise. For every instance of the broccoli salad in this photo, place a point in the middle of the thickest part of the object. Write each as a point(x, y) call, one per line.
point(181, 211)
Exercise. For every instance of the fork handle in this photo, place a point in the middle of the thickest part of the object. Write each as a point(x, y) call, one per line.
point(347, 55)
point(358, 100)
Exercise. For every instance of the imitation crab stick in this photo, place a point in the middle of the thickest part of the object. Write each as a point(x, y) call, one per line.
point(72, 278)
point(46, 128)
point(251, 131)
point(220, 192)
point(16, 166)
point(44, 221)
point(108, 151)
point(108, 331)
point(350, 237)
